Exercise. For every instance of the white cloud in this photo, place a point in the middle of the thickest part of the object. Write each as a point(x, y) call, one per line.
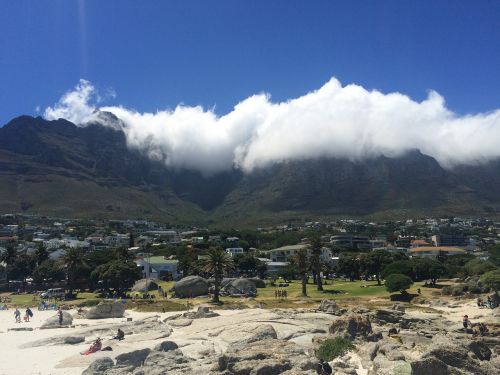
point(75, 105)
point(334, 121)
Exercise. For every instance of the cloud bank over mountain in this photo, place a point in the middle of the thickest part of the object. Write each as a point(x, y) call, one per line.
point(333, 121)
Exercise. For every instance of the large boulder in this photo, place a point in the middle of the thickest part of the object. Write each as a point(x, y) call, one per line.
point(480, 349)
point(99, 366)
point(225, 281)
point(191, 286)
point(268, 356)
point(429, 366)
point(144, 285)
point(105, 310)
point(166, 346)
point(259, 283)
point(352, 326)
point(53, 321)
point(241, 286)
point(328, 306)
point(135, 358)
point(262, 332)
point(457, 357)
point(495, 297)
point(383, 316)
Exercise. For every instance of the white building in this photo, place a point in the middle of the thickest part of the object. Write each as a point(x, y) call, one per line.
point(284, 253)
point(234, 250)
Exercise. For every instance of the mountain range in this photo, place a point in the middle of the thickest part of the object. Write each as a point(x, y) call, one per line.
point(60, 169)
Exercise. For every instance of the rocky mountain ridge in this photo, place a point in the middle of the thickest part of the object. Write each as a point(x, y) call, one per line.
point(58, 168)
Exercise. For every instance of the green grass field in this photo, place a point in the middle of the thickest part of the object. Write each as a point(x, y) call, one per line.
point(334, 289)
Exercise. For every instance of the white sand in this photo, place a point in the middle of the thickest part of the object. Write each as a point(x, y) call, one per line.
point(58, 359)
point(204, 335)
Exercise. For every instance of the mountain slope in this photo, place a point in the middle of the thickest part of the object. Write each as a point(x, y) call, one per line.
point(55, 167)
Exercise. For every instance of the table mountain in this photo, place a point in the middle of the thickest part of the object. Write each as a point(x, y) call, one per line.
point(58, 168)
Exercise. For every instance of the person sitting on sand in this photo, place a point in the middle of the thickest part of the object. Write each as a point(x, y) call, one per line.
point(393, 331)
point(323, 368)
point(95, 347)
point(483, 330)
point(465, 321)
point(120, 335)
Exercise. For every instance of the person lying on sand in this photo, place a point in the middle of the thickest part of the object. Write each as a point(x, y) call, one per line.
point(95, 347)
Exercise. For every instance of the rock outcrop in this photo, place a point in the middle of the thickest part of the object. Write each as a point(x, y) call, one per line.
point(191, 286)
point(53, 321)
point(144, 285)
point(266, 357)
point(105, 310)
point(240, 286)
point(352, 326)
point(99, 366)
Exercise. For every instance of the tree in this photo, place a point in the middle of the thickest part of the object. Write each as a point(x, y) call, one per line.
point(216, 263)
point(261, 269)
point(425, 268)
point(41, 254)
point(375, 261)
point(398, 282)
point(119, 275)
point(74, 262)
point(478, 267)
point(246, 263)
point(8, 257)
point(288, 272)
point(456, 264)
point(316, 261)
point(47, 272)
point(123, 254)
point(404, 267)
point(494, 252)
point(302, 267)
point(131, 240)
point(21, 267)
point(349, 265)
point(491, 279)
point(187, 257)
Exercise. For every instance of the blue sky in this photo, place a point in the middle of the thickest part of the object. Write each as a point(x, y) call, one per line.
point(156, 54)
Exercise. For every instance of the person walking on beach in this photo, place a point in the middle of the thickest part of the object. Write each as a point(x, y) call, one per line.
point(60, 315)
point(28, 314)
point(17, 315)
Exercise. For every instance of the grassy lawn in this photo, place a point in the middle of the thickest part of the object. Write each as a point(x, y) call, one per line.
point(334, 289)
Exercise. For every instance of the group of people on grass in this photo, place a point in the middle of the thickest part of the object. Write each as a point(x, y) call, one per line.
point(280, 294)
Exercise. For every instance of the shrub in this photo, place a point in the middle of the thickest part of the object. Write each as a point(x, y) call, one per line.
point(478, 267)
point(333, 348)
point(397, 282)
point(491, 279)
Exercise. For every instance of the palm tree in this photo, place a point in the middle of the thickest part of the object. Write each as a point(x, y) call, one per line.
point(8, 257)
point(302, 269)
point(73, 260)
point(216, 263)
point(316, 261)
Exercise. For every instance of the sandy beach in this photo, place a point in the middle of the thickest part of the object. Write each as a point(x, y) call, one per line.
point(60, 359)
point(199, 338)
